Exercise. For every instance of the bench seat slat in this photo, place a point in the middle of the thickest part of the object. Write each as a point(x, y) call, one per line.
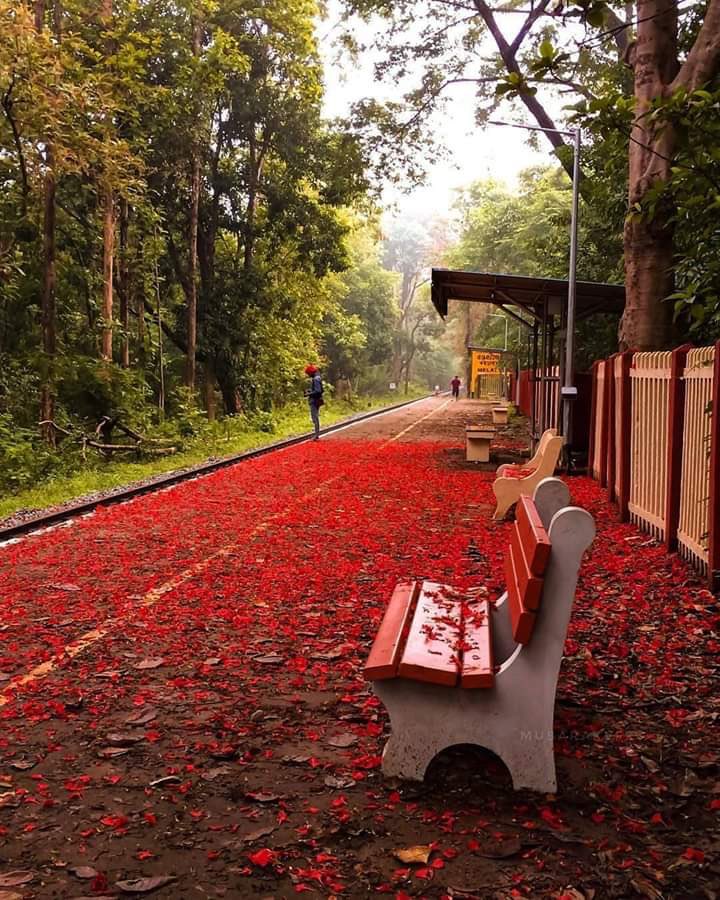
point(431, 650)
point(478, 664)
point(522, 620)
point(529, 585)
point(532, 534)
point(388, 645)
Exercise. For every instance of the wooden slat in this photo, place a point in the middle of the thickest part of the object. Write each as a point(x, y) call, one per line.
point(522, 620)
point(529, 585)
point(387, 648)
point(695, 526)
point(478, 669)
point(431, 650)
point(533, 537)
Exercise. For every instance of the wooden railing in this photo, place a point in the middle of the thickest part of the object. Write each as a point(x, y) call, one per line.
point(650, 388)
point(598, 436)
point(655, 445)
point(693, 528)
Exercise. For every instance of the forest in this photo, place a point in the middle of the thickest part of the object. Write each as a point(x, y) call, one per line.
point(182, 228)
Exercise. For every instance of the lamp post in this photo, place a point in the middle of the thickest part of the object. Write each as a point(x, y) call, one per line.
point(501, 316)
point(568, 390)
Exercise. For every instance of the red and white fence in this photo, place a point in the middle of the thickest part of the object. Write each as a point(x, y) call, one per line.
point(655, 445)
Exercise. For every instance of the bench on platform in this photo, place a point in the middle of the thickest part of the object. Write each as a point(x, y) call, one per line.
point(477, 442)
point(452, 669)
point(513, 482)
point(500, 415)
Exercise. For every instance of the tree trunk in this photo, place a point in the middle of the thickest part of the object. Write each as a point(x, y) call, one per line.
point(136, 300)
point(255, 167)
point(123, 285)
point(647, 320)
point(48, 310)
point(209, 392)
point(190, 363)
point(48, 313)
point(230, 395)
point(108, 251)
point(106, 13)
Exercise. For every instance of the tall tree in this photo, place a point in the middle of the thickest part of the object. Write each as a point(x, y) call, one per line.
point(196, 24)
point(48, 308)
point(450, 40)
point(649, 240)
point(108, 207)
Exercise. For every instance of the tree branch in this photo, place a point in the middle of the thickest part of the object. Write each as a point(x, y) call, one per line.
point(703, 61)
point(7, 105)
point(527, 25)
point(533, 105)
point(435, 94)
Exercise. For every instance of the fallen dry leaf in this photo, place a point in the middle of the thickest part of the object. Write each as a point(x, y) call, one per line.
point(343, 740)
point(141, 717)
point(83, 872)
point(257, 834)
point(144, 885)
point(153, 662)
point(262, 796)
point(418, 854)
point(500, 850)
point(112, 752)
point(124, 739)
point(16, 877)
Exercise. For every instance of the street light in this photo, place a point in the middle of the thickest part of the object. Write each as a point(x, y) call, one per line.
point(568, 390)
point(504, 317)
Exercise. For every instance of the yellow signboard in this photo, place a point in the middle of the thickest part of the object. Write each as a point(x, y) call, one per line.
point(484, 362)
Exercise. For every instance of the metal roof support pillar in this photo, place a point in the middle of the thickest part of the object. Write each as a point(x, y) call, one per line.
point(569, 391)
point(543, 371)
point(534, 386)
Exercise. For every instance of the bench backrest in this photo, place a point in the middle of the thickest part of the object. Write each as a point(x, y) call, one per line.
point(526, 560)
point(541, 444)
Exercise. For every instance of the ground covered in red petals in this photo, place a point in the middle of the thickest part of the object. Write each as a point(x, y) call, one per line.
point(197, 723)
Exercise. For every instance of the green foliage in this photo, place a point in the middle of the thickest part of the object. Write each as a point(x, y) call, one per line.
point(359, 328)
point(526, 232)
point(24, 458)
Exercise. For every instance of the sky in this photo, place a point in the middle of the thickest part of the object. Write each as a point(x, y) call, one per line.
point(475, 153)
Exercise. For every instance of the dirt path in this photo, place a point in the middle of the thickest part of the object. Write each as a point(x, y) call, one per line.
point(183, 696)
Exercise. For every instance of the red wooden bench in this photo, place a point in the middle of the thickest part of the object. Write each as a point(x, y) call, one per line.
point(453, 669)
point(514, 481)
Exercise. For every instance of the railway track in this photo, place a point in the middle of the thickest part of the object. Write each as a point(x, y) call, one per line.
point(122, 495)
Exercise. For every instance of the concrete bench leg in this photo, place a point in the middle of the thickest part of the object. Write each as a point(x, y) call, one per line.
point(427, 719)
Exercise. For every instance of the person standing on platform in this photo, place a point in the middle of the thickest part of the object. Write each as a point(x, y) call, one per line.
point(314, 395)
point(455, 385)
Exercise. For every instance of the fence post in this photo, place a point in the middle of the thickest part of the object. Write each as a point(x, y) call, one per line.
point(593, 414)
point(605, 413)
point(610, 425)
point(622, 441)
point(714, 498)
point(676, 413)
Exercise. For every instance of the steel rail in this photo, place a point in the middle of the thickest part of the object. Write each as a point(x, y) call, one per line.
point(122, 495)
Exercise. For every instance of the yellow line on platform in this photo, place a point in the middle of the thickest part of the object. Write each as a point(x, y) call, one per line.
point(75, 648)
point(419, 421)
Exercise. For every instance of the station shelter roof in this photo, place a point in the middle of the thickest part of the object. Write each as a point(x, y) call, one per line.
point(534, 295)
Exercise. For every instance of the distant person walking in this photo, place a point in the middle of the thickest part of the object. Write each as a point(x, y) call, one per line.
point(315, 397)
point(455, 385)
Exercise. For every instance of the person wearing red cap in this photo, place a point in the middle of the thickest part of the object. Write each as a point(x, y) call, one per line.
point(315, 397)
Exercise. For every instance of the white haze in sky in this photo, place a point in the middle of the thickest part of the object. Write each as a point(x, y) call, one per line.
point(495, 152)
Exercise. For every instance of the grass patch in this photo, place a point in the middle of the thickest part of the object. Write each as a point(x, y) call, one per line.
point(224, 438)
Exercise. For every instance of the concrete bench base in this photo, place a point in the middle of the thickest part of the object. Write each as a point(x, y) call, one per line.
point(500, 415)
point(477, 443)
